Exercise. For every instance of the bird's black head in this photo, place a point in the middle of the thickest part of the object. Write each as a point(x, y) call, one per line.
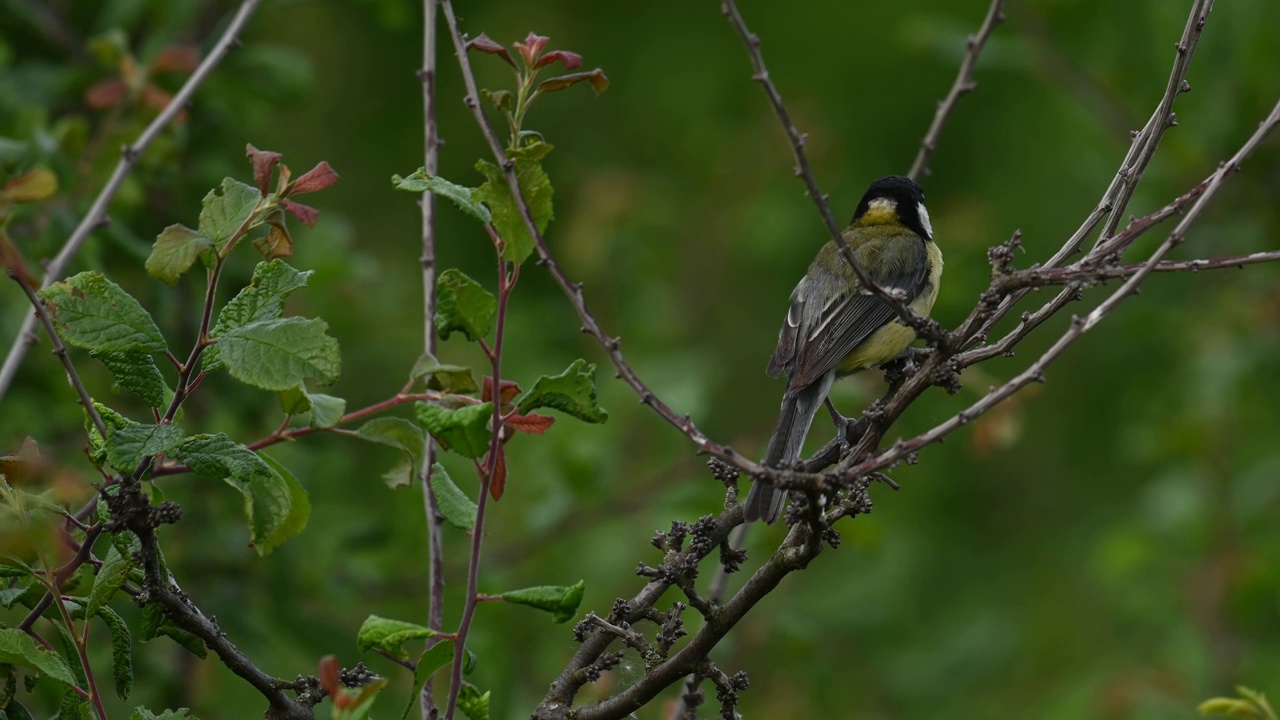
point(894, 199)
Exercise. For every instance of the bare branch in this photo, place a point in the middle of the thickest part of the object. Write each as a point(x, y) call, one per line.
point(963, 84)
point(97, 215)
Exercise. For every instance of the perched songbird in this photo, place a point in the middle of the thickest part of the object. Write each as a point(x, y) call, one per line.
point(836, 326)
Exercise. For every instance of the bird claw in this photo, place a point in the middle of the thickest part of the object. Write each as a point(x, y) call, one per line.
point(846, 427)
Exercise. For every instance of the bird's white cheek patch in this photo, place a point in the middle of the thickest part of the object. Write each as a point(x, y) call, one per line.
point(924, 219)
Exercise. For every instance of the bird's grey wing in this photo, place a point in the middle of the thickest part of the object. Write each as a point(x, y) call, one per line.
point(790, 332)
point(830, 331)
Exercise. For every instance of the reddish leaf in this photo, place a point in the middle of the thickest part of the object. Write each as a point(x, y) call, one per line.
point(499, 483)
point(263, 161)
point(599, 83)
point(532, 47)
point(105, 94)
point(533, 423)
point(571, 60)
point(154, 97)
point(330, 682)
point(32, 186)
point(277, 244)
point(317, 178)
point(305, 213)
point(486, 44)
point(177, 59)
point(510, 389)
point(11, 260)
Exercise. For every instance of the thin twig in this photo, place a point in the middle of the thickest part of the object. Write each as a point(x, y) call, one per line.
point(129, 154)
point(431, 506)
point(923, 326)
point(963, 85)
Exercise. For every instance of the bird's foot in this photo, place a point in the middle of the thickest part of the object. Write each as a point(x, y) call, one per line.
point(847, 429)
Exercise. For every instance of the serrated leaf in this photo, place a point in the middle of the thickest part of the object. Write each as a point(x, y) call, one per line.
point(472, 704)
point(560, 601)
point(176, 249)
point(429, 662)
point(446, 378)
point(93, 313)
point(572, 391)
point(121, 651)
point(156, 624)
point(129, 444)
point(226, 209)
point(394, 432)
point(535, 186)
point(464, 430)
point(18, 648)
point(135, 371)
point(145, 714)
point(458, 509)
point(401, 474)
point(461, 196)
point(110, 578)
point(388, 635)
point(263, 299)
point(276, 504)
point(463, 305)
point(279, 354)
point(326, 410)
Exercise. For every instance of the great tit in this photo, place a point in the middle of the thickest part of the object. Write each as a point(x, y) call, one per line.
point(836, 326)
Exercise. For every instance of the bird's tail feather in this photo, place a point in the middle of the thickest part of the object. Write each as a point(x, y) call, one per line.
point(764, 502)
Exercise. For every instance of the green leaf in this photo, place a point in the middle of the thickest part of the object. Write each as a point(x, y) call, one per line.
point(535, 186)
point(560, 601)
point(279, 354)
point(93, 313)
point(326, 410)
point(155, 623)
point(472, 704)
point(121, 652)
point(429, 662)
point(401, 474)
point(388, 635)
point(463, 305)
point(225, 212)
point(464, 430)
point(456, 507)
point(135, 371)
point(110, 578)
point(276, 504)
point(262, 299)
point(572, 391)
point(15, 710)
point(461, 196)
point(18, 648)
point(128, 445)
point(145, 714)
point(446, 378)
point(394, 432)
point(176, 249)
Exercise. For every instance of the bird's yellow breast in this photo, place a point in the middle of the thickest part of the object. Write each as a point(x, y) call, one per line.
point(886, 343)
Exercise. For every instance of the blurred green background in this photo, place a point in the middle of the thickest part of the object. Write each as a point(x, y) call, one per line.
point(1102, 546)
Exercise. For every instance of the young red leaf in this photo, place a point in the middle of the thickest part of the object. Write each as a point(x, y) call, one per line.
point(599, 83)
point(11, 260)
point(158, 99)
point(510, 389)
point(305, 213)
point(105, 94)
point(317, 178)
point(486, 44)
point(177, 59)
point(571, 60)
point(499, 483)
point(263, 161)
point(531, 48)
point(533, 423)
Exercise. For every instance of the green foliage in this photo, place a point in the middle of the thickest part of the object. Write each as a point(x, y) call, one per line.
point(535, 186)
point(121, 651)
point(390, 635)
point(461, 196)
point(472, 704)
point(93, 313)
point(263, 299)
point(429, 662)
point(463, 305)
point(145, 714)
point(135, 371)
point(572, 391)
point(280, 354)
point(224, 213)
point(397, 433)
point(176, 249)
point(18, 648)
point(129, 443)
point(111, 576)
point(1250, 704)
point(276, 504)
point(325, 410)
point(560, 601)
point(156, 624)
point(464, 430)
point(446, 378)
point(458, 509)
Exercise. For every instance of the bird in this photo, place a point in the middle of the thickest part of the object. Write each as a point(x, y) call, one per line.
point(836, 326)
